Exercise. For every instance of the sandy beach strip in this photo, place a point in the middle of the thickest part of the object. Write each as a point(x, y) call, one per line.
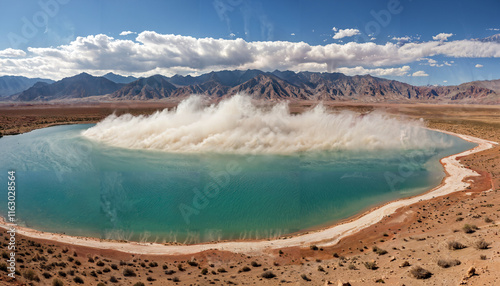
point(454, 182)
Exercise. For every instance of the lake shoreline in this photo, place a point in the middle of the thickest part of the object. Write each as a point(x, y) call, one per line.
point(327, 236)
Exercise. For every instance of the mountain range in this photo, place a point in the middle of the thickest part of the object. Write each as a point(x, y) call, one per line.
point(274, 86)
point(14, 84)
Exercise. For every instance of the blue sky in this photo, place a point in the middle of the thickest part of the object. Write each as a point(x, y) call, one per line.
point(391, 39)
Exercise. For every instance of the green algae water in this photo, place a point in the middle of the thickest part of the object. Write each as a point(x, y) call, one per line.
point(67, 183)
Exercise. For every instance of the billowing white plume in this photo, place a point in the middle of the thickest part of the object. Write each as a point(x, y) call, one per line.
point(236, 125)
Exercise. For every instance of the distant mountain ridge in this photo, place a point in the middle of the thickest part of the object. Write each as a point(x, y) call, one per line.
point(10, 85)
point(273, 86)
point(78, 86)
point(119, 78)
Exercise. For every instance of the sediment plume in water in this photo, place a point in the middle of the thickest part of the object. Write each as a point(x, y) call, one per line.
point(237, 125)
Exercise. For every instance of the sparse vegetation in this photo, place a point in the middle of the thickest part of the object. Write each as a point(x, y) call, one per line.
point(221, 270)
point(482, 256)
point(113, 279)
point(255, 264)
point(192, 263)
point(139, 284)
point(481, 244)
point(204, 271)
point(379, 251)
point(268, 274)
point(420, 273)
point(303, 276)
point(313, 247)
point(245, 269)
point(488, 220)
point(127, 272)
point(31, 275)
point(469, 228)
point(372, 265)
point(57, 282)
point(446, 263)
point(405, 264)
point(78, 280)
point(454, 245)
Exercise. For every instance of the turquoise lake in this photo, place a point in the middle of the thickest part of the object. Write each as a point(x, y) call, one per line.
point(69, 184)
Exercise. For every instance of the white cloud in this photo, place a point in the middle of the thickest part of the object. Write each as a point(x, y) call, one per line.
point(12, 53)
point(292, 34)
point(442, 36)
point(478, 66)
point(335, 29)
point(493, 29)
point(419, 73)
point(232, 35)
point(342, 33)
point(359, 70)
point(151, 52)
point(445, 81)
point(401, 39)
point(125, 33)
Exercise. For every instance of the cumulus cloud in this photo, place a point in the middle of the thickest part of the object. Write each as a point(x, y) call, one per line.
point(125, 33)
point(493, 29)
point(167, 54)
point(442, 36)
point(479, 66)
point(419, 73)
point(343, 33)
point(12, 53)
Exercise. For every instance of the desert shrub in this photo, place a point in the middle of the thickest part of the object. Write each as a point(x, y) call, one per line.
point(313, 247)
point(169, 272)
point(469, 228)
point(379, 251)
point(151, 279)
point(488, 220)
point(114, 266)
point(380, 280)
point(405, 264)
point(128, 272)
point(303, 276)
point(57, 282)
point(445, 263)
point(192, 263)
point(176, 279)
point(180, 267)
point(268, 275)
point(245, 269)
point(106, 270)
point(351, 267)
point(3, 267)
point(101, 284)
point(46, 275)
point(139, 284)
point(113, 279)
point(454, 245)
point(255, 264)
point(320, 268)
point(420, 273)
point(100, 263)
point(31, 275)
point(62, 273)
point(204, 271)
point(481, 244)
point(372, 265)
point(78, 280)
point(221, 270)
point(482, 256)
point(153, 264)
